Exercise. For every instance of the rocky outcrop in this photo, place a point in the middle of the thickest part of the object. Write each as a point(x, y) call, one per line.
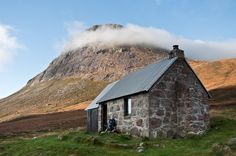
point(110, 26)
point(99, 63)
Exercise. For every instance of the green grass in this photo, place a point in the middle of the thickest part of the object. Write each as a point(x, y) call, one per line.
point(229, 113)
point(74, 142)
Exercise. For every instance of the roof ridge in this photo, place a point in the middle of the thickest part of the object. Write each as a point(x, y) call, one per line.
point(138, 81)
point(153, 64)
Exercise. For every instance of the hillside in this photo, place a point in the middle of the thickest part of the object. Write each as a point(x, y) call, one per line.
point(219, 77)
point(75, 77)
point(216, 74)
point(79, 75)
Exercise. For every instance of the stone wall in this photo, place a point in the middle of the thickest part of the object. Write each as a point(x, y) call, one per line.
point(137, 123)
point(178, 104)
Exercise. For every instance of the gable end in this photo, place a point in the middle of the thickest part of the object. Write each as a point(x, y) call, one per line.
point(208, 94)
point(188, 65)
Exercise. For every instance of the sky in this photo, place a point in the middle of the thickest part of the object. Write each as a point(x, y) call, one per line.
point(33, 33)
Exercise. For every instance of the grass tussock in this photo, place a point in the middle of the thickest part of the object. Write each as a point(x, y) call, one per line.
point(217, 141)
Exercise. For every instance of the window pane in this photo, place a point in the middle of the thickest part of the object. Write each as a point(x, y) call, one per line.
point(129, 106)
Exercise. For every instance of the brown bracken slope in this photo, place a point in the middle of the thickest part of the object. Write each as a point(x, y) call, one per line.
point(216, 74)
point(219, 77)
point(42, 122)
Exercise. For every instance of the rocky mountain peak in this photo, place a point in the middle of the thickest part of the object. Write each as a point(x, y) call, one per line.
point(105, 26)
point(99, 63)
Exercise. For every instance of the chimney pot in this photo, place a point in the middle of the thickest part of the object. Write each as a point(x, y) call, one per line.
point(175, 46)
point(176, 52)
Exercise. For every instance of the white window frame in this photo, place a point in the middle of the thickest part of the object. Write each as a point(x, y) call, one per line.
point(129, 106)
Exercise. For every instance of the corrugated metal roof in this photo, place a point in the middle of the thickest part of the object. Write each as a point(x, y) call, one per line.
point(94, 104)
point(139, 81)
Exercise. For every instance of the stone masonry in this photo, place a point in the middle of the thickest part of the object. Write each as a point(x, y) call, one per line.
point(135, 124)
point(178, 104)
point(175, 106)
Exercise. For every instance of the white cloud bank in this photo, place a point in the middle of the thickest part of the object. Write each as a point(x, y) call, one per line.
point(8, 44)
point(134, 34)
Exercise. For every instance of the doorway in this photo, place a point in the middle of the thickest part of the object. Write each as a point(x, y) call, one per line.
point(104, 117)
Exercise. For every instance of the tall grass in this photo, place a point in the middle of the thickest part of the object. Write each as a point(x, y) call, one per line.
point(82, 143)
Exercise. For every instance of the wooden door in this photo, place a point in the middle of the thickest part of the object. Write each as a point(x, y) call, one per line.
point(104, 117)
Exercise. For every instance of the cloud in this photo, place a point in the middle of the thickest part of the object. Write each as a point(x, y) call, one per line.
point(8, 45)
point(73, 28)
point(134, 34)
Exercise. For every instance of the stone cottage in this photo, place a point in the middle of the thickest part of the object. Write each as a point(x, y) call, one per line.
point(164, 99)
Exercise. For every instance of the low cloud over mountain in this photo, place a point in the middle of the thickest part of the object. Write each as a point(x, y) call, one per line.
point(134, 34)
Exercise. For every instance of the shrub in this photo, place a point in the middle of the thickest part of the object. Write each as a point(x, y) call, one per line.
point(221, 150)
point(232, 143)
point(62, 137)
point(93, 141)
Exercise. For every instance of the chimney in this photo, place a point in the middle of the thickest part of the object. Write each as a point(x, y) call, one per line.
point(176, 52)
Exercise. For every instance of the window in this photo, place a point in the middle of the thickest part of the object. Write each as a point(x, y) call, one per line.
point(127, 106)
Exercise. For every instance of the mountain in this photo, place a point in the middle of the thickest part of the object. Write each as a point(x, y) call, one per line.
point(79, 75)
point(216, 74)
point(219, 78)
point(99, 63)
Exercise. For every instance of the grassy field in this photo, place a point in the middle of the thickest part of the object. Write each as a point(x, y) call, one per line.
point(78, 142)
